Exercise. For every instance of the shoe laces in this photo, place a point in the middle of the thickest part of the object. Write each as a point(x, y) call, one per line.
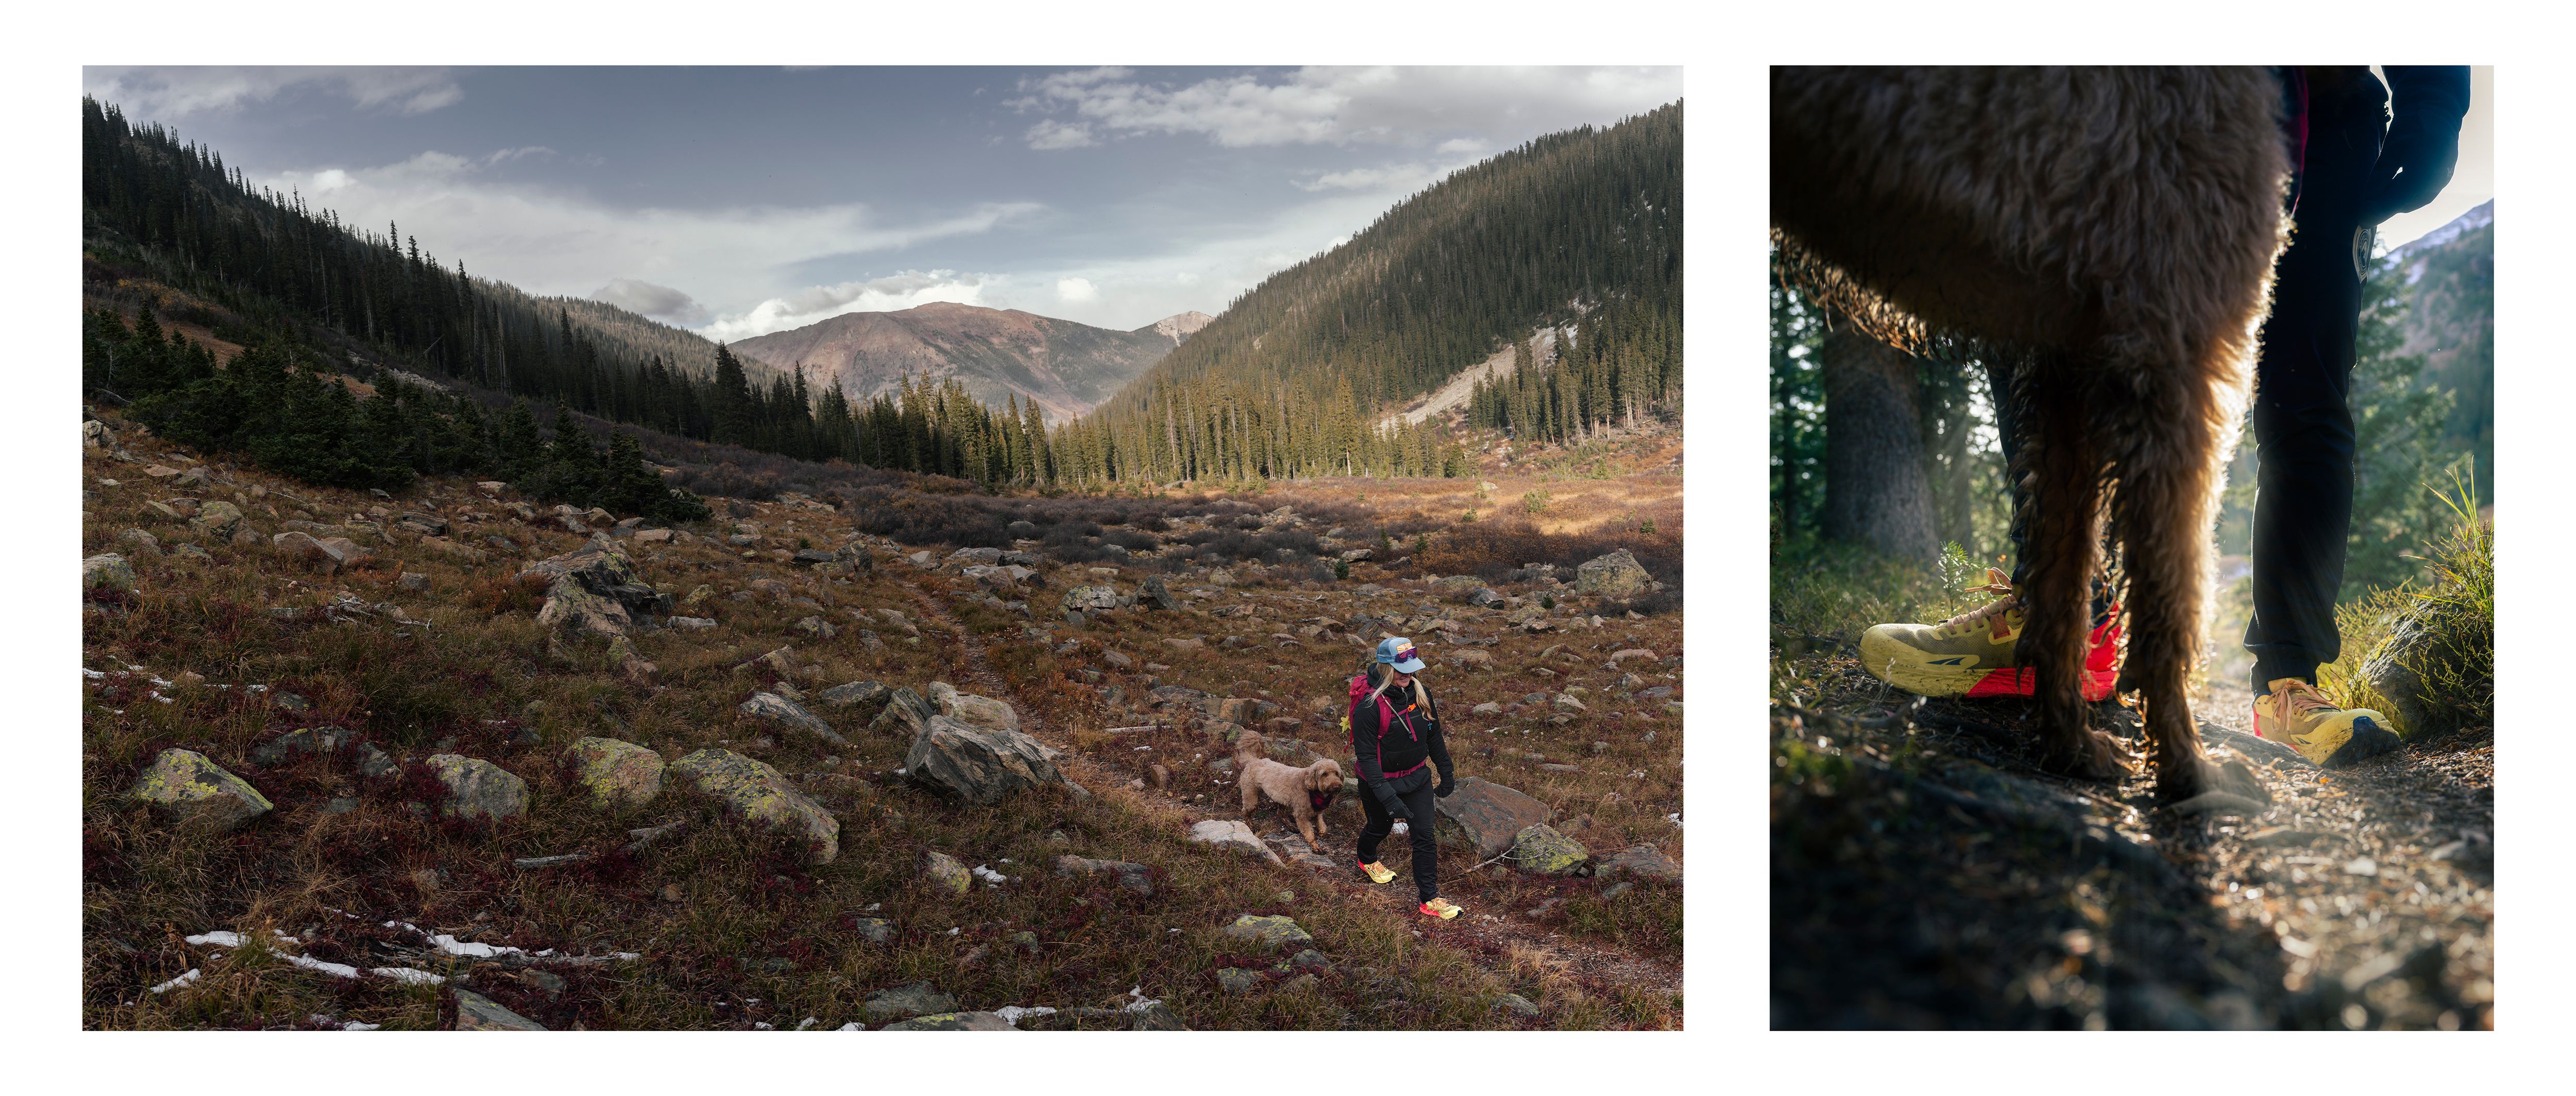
point(1997, 582)
point(2298, 698)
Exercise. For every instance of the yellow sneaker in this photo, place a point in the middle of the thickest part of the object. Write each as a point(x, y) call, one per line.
point(2294, 712)
point(1440, 908)
point(1971, 654)
point(1377, 873)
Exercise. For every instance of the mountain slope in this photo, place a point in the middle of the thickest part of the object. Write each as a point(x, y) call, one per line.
point(1066, 367)
point(2450, 320)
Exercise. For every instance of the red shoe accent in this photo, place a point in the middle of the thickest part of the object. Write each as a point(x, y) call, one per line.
point(2101, 668)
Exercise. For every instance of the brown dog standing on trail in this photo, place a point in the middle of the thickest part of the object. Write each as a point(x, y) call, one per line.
point(1305, 792)
point(2111, 233)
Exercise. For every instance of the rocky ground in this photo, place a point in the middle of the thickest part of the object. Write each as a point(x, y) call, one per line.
point(457, 760)
point(1925, 874)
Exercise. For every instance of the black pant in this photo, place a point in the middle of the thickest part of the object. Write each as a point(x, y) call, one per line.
point(1414, 791)
point(2303, 430)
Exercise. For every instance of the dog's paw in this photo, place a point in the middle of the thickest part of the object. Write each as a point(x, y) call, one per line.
point(2204, 776)
point(2088, 755)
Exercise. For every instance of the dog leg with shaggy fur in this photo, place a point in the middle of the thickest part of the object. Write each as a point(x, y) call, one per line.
point(2065, 504)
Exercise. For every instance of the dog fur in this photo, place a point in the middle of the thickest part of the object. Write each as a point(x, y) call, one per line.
point(2111, 232)
point(1285, 785)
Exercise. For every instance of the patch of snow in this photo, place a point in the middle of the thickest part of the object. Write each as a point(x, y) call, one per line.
point(806, 1023)
point(989, 876)
point(308, 962)
point(408, 976)
point(218, 938)
point(354, 1025)
point(1011, 1014)
point(851, 1026)
point(92, 674)
point(192, 975)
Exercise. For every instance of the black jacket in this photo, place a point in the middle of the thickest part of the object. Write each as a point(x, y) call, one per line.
point(1412, 738)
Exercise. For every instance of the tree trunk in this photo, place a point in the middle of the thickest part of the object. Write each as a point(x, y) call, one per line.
point(1876, 492)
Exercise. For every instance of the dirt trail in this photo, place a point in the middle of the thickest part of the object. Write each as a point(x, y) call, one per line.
point(1490, 937)
point(1927, 873)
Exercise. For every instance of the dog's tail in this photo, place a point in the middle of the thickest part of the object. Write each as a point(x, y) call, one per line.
point(1248, 746)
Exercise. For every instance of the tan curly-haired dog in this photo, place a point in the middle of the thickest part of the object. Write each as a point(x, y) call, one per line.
point(1306, 792)
point(2111, 232)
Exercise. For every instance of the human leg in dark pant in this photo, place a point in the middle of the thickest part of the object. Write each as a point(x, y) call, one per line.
point(2303, 428)
point(1426, 849)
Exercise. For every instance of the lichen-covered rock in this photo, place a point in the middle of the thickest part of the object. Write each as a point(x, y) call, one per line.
point(593, 590)
point(1232, 834)
point(754, 791)
point(572, 610)
point(904, 1002)
point(479, 789)
point(617, 773)
point(973, 710)
point(308, 740)
point(1269, 933)
point(1542, 850)
point(854, 694)
point(217, 520)
point(946, 873)
point(954, 1021)
point(1155, 594)
point(1090, 599)
point(985, 556)
point(1640, 861)
point(1485, 817)
point(475, 1012)
point(195, 788)
point(1615, 574)
point(905, 713)
point(978, 765)
point(109, 570)
point(1133, 876)
point(775, 709)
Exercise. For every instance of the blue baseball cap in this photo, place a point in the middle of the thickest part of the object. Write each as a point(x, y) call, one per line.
point(1398, 652)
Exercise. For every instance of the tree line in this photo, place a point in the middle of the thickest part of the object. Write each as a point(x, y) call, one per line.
point(1580, 227)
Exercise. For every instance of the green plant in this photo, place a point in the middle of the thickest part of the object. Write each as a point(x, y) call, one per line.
point(1647, 527)
point(1547, 601)
point(2426, 657)
point(1537, 500)
point(1342, 570)
point(1471, 514)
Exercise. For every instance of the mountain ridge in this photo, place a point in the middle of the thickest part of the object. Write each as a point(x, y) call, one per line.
point(1067, 367)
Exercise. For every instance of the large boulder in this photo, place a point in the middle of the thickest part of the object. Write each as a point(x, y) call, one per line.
point(217, 520)
point(109, 570)
point(1616, 574)
point(594, 590)
point(973, 710)
point(479, 789)
point(854, 694)
point(779, 711)
point(1155, 594)
point(1090, 599)
point(617, 773)
point(1542, 850)
point(1233, 835)
point(1486, 817)
point(188, 784)
point(985, 556)
point(753, 791)
point(905, 713)
point(1639, 861)
point(1269, 933)
point(976, 764)
point(308, 740)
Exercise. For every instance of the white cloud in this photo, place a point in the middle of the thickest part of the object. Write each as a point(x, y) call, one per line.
point(164, 94)
point(1052, 134)
point(1458, 145)
point(735, 263)
point(658, 301)
point(1076, 290)
point(1343, 105)
point(889, 294)
point(1404, 177)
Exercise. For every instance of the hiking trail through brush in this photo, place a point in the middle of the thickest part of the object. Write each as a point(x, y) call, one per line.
point(1926, 873)
point(1488, 938)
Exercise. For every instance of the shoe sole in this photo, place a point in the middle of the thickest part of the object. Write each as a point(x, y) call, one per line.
point(2368, 740)
point(1905, 668)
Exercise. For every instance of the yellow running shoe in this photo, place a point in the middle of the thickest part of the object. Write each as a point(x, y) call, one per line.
point(2294, 712)
point(1377, 872)
point(1971, 654)
point(1440, 908)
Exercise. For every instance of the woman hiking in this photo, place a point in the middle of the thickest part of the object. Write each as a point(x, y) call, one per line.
point(1395, 735)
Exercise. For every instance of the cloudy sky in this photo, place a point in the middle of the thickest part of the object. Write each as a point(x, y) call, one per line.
point(738, 201)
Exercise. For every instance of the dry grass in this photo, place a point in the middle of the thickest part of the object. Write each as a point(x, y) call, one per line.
point(758, 934)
